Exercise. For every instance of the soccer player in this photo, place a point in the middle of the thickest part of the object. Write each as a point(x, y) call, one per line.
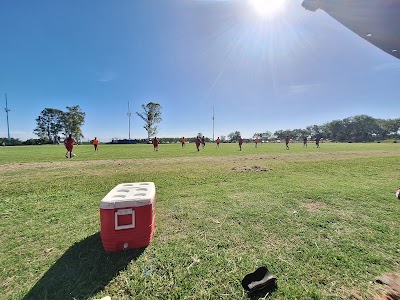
point(256, 141)
point(305, 142)
point(203, 141)
point(95, 144)
point(218, 141)
point(183, 142)
point(69, 145)
point(240, 143)
point(198, 142)
point(155, 144)
point(317, 141)
point(287, 139)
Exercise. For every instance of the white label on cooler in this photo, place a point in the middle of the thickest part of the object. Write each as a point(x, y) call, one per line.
point(123, 212)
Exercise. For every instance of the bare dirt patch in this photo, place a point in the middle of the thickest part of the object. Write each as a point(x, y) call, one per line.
point(311, 206)
point(277, 157)
point(251, 169)
point(391, 281)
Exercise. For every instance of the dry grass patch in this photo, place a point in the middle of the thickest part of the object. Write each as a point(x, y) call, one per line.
point(251, 169)
point(311, 206)
point(76, 163)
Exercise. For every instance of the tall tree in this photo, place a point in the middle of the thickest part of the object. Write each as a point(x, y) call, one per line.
point(72, 121)
point(314, 131)
point(281, 134)
point(335, 130)
point(267, 135)
point(390, 127)
point(234, 136)
point(151, 115)
point(49, 124)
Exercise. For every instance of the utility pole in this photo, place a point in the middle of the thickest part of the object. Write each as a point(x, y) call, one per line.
point(8, 124)
point(129, 121)
point(213, 118)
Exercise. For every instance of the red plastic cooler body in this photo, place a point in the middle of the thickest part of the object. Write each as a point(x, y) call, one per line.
point(127, 223)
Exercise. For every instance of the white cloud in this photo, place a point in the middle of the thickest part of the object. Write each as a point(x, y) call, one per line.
point(302, 88)
point(106, 76)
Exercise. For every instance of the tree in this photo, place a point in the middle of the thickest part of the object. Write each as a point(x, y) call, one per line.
point(13, 142)
point(298, 134)
point(388, 128)
point(234, 136)
point(266, 136)
point(335, 130)
point(72, 121)
point(281, 134)
point(366, 128)
point(361, 128)
point(314, 131)
point(49, 124)
point(151, 115)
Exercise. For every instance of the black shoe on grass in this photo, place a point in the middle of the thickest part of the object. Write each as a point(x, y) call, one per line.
point(260, 279)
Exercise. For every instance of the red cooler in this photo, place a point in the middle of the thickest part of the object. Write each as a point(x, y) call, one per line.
point(127, 216)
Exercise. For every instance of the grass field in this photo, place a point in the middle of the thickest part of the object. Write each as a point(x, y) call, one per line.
point(325, 221)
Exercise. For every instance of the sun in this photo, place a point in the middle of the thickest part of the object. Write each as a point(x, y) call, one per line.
point(267, 8)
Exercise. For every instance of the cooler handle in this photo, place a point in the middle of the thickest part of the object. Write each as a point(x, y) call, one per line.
point(122, 212)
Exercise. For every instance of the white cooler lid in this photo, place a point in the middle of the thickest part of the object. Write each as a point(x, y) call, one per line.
point(129, 195)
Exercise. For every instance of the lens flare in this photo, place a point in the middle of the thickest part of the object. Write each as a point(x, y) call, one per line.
point(267, 8)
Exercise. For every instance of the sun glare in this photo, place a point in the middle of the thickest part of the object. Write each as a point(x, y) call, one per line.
point(267, 8)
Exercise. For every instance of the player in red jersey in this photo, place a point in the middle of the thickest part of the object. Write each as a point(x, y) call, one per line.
point(69, 145)
point(155, 143)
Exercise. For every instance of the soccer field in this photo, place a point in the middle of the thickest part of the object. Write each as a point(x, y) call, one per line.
point(325, 221)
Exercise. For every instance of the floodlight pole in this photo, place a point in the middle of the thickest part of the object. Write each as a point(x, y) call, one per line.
point(129, 121)
point(8, 124)
point(213, 118)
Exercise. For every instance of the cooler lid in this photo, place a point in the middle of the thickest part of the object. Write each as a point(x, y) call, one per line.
point(133, 194)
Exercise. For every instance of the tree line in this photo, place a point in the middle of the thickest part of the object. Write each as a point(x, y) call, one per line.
point(51, 123)
point(360, 128)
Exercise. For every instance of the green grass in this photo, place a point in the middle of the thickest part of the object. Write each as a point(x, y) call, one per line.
point(325, 221)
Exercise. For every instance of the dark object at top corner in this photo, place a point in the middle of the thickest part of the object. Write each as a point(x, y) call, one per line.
point(376, 21)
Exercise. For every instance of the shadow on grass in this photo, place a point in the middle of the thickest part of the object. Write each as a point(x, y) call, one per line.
point(263, 294)
point(83, 270)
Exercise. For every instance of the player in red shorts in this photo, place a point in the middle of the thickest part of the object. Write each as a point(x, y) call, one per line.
point(198, 142)
point(95, 144)
point(287, 139)
point(155, 144)
point(69, 145)
point(183, 142)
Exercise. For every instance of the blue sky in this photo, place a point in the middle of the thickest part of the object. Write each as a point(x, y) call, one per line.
point(284, 70)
